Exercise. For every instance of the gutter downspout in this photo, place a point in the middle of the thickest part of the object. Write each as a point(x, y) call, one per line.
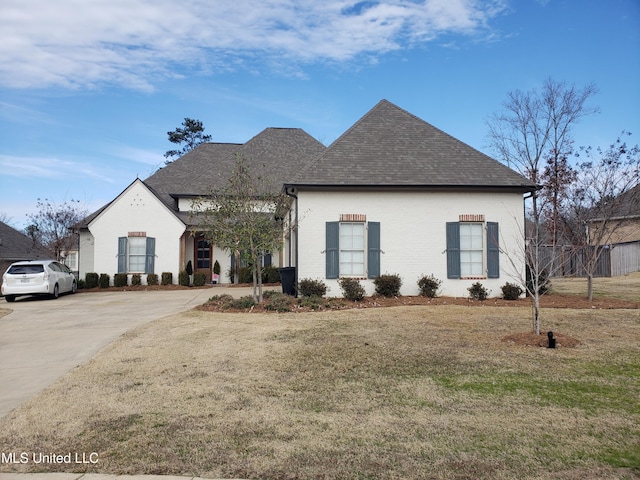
point(292, 192)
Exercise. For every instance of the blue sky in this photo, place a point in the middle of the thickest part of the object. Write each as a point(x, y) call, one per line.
point(90, 88)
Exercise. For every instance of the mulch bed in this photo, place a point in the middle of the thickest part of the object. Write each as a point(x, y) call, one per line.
point(517, 339)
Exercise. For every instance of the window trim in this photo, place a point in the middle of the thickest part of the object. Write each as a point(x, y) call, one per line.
point(490, 252)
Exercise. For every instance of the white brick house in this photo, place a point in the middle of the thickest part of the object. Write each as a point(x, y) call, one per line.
point(395, 195)
point(392, 195)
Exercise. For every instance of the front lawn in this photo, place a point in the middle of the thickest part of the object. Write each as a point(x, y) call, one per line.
point(412, 392)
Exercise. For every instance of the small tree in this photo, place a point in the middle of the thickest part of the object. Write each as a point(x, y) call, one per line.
point(188, 138)
point(604, 200)
point(245, 217)
point(52, 225)
point(534, 129)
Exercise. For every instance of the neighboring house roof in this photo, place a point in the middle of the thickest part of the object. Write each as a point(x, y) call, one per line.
point(391, 147)
point(15, 246)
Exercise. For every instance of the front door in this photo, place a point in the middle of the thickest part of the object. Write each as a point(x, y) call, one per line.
point(203, 257)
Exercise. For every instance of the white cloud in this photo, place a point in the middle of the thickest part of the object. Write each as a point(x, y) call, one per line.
point(132, 43)
point(51, 168)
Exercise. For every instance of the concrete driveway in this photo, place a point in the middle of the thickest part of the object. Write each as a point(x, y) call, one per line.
point(42, 339)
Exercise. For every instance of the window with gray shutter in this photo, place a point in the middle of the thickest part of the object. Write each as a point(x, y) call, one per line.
point(373, 249)
point(331, 249)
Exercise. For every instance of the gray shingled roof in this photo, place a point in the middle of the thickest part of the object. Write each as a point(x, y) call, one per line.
point(15, 246)
point(391, 147)
point(276, 153)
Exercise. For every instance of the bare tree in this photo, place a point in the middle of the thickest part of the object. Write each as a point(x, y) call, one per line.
point(245, 217)
point(604, 203)
point(52, 225)
point(532, 129)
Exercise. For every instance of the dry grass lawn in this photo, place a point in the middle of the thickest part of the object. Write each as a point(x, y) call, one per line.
point(419, 392)
point(625, 287)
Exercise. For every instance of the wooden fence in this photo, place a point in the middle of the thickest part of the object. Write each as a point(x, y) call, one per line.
point(614, 260)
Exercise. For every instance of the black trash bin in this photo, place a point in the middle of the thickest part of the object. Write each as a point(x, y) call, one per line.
point(288, 280)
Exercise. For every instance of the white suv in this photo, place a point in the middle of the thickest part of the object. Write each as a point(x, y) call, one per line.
point(37, 277)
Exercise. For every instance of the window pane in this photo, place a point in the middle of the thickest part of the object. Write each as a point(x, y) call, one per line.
point(352, 253)
point(137, 254)
point(471, 249)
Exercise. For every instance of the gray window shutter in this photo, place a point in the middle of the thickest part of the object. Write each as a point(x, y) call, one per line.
point(150, 262)
point(122, 254)
point(453, 250)
point(493, 251)
point(373, 249)
point(331, 250)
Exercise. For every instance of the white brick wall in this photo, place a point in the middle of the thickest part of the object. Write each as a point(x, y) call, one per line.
point(413, 234)
point(136, 210)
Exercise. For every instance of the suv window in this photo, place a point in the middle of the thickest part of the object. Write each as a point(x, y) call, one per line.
point(25, 269)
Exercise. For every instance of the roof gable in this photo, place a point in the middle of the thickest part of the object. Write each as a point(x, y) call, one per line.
point(391, 147)
point(94, 217)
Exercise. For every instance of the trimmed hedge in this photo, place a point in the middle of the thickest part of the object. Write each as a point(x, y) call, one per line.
point(120, 280)
point(352, 289)
point(104, 280)
point(91, 280)
point(388, 285)
point(311, 288)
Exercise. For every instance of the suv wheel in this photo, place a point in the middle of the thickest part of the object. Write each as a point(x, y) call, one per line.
point(10, 298)
point(56, 291)
point(74, 287)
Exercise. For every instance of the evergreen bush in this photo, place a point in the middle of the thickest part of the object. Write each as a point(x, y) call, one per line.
point(136, 279)
point(511, 291)
point(91, 280)
point(311, 288)
point(183, 278)
point(352, 289)
point(104, 280)
point(199, 279)
point(152, 279)
point(167, 278)
point(429, 286)
point(478, 292)
point(388, 285)
point(120, 280)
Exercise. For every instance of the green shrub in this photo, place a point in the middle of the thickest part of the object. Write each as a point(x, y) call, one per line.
point(224, 298)
point(270, 274)
point(152, 279)
point(388, 285)
point(199, 279)
point(312, 302)
point(280, 302)
point(136, 279)
point(311, 288)
point(81, 284)
point(511, 291)
point(240, 303)
point(91, 280)
point(103, 282)
point(120, 280)
point(352, 289)
point(478, 292)
point(183, 278)
point(167, 278)
point(429, 286)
